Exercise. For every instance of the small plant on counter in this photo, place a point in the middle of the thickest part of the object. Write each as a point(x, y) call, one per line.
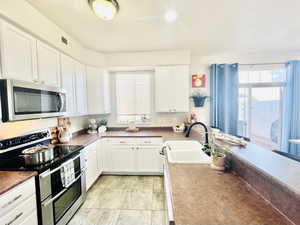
point(199, 98)
point(218, 155)
point(102, 122)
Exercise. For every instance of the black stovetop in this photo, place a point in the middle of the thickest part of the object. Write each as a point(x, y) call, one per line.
point(15, 162)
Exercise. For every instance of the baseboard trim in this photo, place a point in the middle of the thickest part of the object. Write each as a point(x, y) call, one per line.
point(134, 173)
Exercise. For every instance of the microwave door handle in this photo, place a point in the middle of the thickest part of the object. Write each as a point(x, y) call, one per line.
point(61, 102)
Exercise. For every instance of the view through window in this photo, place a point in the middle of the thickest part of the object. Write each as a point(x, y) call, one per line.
point(133, 97)
point(260, 105)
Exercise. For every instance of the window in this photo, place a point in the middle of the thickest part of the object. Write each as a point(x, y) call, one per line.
point(260, 104)
point(133, 97)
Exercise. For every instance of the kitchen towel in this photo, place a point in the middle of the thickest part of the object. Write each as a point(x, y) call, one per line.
point(67, 173)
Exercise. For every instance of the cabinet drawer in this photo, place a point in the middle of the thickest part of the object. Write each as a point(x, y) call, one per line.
point(17, 195)
point(20, 214)
point(31, 219)
point(149, 141)
point(121, 141)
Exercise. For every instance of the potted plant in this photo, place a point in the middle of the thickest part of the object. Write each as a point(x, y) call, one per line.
point(218, 156)
point(199, 98)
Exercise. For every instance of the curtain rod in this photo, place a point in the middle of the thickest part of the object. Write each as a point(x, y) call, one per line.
point(255, 64)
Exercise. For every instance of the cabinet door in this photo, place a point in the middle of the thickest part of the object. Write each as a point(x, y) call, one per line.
point(180, 83)
point(81, 90)
point(48, 65)
point(68, 82)
point(31, 219)
point(148, 159)
point(123, 159)
point(92, 167)
point(95, 90)
point(172, 89)
point(164, 89)
point(106, 92)
point(100, 157)
point(18, 51)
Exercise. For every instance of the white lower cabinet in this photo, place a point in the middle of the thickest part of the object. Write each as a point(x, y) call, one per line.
point(148, 159)
point(18, 206)
point(100, 157)
point(132, 155)
point(31, 219)
point(91, 164)
point(122, 158)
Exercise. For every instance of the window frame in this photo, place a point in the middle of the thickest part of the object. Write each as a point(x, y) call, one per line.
point(144, 119)
point(252, 85)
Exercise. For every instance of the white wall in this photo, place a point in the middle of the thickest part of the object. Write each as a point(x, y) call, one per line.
point(155, 58)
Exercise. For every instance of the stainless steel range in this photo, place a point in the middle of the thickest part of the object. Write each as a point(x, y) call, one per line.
point(60, 185)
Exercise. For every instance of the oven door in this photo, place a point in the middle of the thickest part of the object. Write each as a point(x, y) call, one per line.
point(26, 100)
point(64, 201)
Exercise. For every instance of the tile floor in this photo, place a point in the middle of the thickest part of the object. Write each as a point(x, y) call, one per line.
point(123, 200)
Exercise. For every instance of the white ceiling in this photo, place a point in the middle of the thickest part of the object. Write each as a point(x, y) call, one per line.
point(203, 26)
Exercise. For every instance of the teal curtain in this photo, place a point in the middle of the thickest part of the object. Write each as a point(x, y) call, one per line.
point(224, 97)
point(291, 108)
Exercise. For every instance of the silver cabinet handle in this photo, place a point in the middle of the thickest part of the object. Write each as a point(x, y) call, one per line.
point(11, 201)
point(14, 219)
point(44, 204)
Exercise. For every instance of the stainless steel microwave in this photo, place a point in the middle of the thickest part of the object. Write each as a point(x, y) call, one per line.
point(22, 100)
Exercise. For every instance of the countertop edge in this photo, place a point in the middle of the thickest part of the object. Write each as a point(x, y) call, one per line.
point(15, 184)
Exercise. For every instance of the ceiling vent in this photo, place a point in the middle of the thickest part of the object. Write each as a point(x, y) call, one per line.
point(64, 40)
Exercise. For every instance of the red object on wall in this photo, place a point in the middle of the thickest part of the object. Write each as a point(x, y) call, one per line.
point(198, 81)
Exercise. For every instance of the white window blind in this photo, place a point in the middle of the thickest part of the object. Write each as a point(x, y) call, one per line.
point(133, 95)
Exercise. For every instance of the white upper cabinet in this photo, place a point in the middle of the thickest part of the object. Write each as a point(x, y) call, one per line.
point(18, 51)
point(98, 91)
point(172, 89)
point(106, 92)
point(48, 65)
point(81, 89)
point(68, 73)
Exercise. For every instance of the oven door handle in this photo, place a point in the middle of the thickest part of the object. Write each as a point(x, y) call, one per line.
point(47, 202)
point(46, 174)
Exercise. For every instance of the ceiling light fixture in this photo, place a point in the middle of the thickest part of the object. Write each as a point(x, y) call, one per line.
point(170, 16)
point(105, 9)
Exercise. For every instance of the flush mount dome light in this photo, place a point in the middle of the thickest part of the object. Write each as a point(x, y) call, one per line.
point(170, 16)
point(105, 9)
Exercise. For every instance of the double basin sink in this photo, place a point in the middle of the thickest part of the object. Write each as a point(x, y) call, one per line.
point(186, 152)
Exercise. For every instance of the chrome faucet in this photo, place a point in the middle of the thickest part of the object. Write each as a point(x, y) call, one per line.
point(206, 144)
